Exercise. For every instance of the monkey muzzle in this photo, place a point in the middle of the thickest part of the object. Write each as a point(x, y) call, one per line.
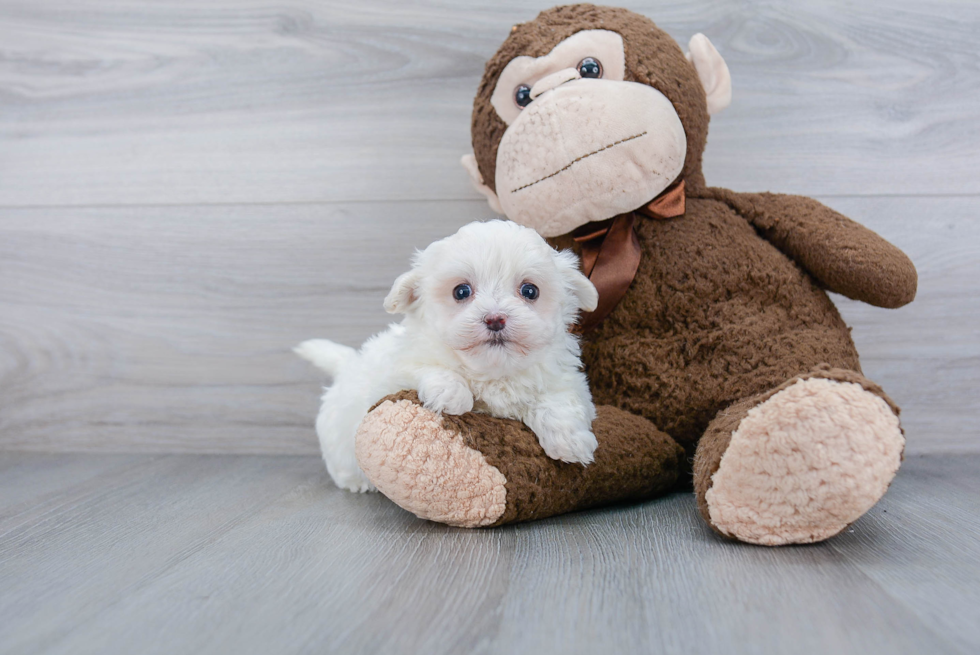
point(588, 150)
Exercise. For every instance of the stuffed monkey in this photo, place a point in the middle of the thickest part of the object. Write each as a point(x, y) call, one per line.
point(714, 342)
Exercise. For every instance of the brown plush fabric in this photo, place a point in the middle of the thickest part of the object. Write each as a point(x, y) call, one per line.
point(634, 461)
point(652, 58)
point(714, 442)
point(728, 301)
point(715, 314)
point(727, 308)
point(841, 255)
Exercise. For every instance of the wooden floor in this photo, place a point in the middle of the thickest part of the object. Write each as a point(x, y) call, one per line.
point(188, 189)
point(261, 554)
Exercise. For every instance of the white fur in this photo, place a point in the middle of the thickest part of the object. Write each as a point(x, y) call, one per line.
point(530, 370)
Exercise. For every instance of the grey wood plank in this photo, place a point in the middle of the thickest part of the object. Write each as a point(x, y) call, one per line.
point(129, 102)
point(29, 481)
point(73, 556)
point(921, 545)
point(161, 329)
point(320, 570)
point(927, 354)
point(186, 316)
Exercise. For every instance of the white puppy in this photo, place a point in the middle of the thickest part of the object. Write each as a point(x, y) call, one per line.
point(487, 313)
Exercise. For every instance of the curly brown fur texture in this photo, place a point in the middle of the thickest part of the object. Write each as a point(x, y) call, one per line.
point(728, 306)
point(841, 255)
point(715, 314)
point(728, 302)
point(652, 58)
point(634, 461)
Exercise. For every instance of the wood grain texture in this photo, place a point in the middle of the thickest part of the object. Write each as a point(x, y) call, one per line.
point(73, 554)
point(168, 330)
point(181, 320)
point(226, 554)
point(904, 545)
point(189, 189)
point(926, 354)
point(129, 102)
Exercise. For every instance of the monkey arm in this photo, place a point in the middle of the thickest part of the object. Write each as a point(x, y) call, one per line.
point(843, 256)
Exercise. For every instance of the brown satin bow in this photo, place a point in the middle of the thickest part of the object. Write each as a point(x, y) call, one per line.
point(611, 252)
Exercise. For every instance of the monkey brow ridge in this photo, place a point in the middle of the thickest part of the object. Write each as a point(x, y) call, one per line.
point(578, 159)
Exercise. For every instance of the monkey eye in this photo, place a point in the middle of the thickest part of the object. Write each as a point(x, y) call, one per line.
point(522, 95)
point(529, 291)
point(590, 68)
point(462, 292)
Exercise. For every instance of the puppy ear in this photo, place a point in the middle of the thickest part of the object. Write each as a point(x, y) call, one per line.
point(584, 292)
point(469, 163)
point(403, 294)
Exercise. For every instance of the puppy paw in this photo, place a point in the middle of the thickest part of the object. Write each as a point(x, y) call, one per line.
point(449, 399)
point(574, 446)
point(351, 480)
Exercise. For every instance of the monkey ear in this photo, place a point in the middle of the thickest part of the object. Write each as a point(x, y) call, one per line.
point(712, 71)
point(403, 294)
point(469, 163)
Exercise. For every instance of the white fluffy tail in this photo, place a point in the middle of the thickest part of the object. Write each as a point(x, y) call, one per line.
point(325, 354)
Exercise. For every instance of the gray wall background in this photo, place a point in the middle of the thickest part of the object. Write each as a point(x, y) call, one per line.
point(187, 189)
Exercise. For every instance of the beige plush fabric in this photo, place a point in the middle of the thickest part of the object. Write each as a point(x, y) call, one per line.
point(555, 171)
point(603, 45)
point(436, 477)
point(805, 463)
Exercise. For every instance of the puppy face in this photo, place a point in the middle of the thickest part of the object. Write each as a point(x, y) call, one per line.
point(494, 292)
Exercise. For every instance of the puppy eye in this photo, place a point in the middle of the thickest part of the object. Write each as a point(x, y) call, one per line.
point(529, 291)
point(590, 68)
point(522, 96)
point(462, 292)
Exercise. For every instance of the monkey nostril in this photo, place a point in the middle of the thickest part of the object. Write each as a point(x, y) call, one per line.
point(554, 80)
point(495, 323)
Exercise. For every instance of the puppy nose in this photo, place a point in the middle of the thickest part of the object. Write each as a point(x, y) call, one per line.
point(496, 322)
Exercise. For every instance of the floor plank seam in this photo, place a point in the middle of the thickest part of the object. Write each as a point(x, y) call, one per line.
point(401, 201)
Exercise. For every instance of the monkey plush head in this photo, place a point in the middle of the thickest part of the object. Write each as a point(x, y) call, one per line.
point(589, 112)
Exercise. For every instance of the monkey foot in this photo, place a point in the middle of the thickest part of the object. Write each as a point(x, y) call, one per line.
point(427, 468)
point(801, 465)
point(475, 470)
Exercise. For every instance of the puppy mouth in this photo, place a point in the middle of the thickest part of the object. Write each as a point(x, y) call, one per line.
point(578, 159)
point(497, 342)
